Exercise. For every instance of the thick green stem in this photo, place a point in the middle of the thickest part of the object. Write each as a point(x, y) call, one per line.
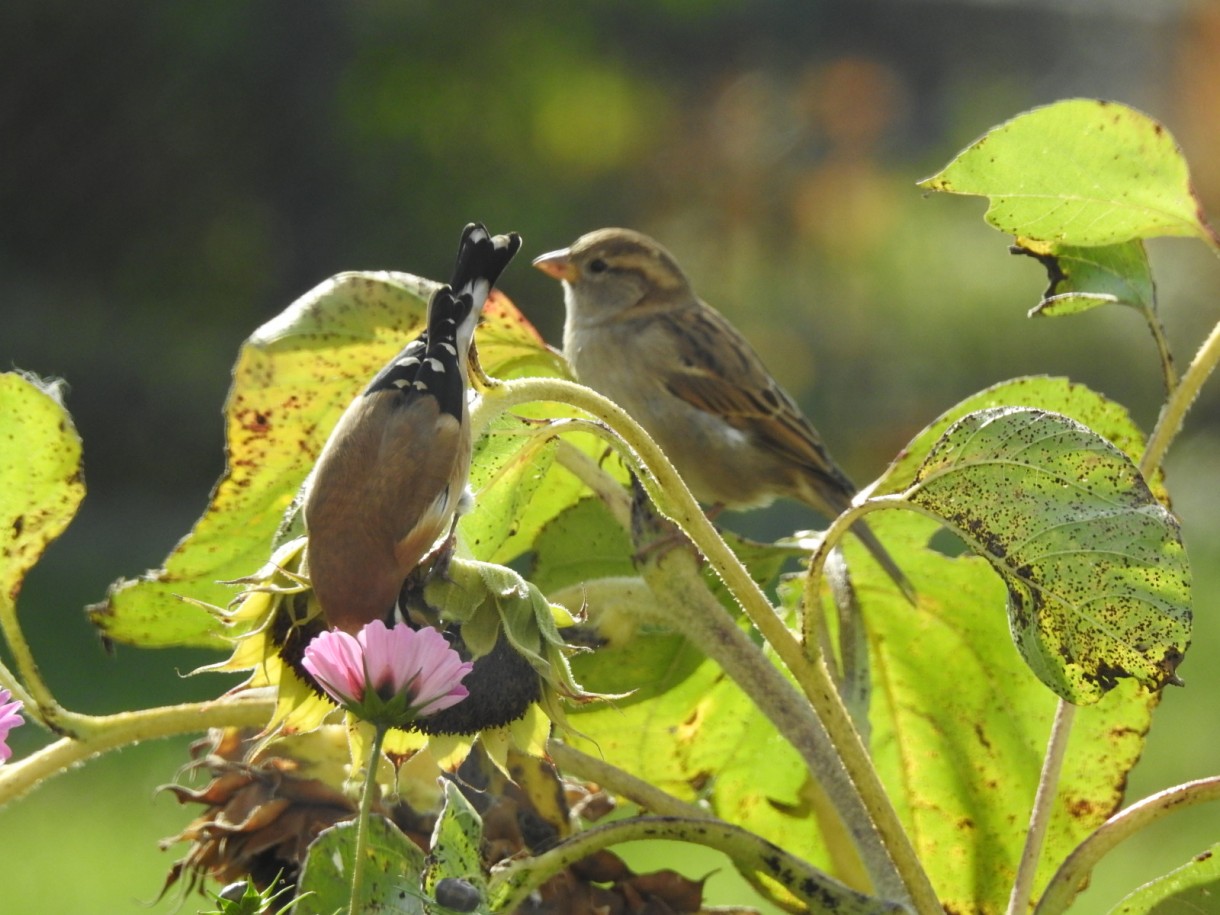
point(512, 884)
point(692, 610)
point(901, 873)
point(1044, 800)
point(1179, 402)
point(111, 732)
point(664, 486)
point(1069, 879)
point(359, 856)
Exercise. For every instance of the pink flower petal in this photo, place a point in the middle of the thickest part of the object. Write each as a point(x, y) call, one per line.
point(439, 703)
point(418, 650)
point(9, 718)
point(336, 660)
point(436, 677)
point(378, 644)
point(440, 686)
point(415, 670)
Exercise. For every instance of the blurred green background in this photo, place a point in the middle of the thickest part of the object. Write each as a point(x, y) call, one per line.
point(173, 174)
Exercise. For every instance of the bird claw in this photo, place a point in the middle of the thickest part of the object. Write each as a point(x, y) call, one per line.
point(653, 534)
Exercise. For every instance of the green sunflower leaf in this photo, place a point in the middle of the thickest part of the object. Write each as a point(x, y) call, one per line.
point(454, 865)
point(1079, 172)
point(1084, 278)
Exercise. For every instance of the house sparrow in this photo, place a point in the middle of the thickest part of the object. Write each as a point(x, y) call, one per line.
point(391, 476)
point(636, 332)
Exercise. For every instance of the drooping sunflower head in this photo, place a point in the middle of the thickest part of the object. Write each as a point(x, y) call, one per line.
point(489, 614)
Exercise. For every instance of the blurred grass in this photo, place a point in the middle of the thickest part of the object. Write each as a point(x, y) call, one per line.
point(86, 842)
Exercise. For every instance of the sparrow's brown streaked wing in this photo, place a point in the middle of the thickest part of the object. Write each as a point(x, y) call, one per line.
point(730, 382)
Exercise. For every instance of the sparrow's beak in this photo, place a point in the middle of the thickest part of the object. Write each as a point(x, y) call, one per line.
point(557, 264)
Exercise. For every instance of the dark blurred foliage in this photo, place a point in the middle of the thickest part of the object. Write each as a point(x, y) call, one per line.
point(173, 174)
point(176, 173)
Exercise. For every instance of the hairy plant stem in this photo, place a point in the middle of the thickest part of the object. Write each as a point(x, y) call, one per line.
point(646, 795)
point(649, 797)
point(40, 704)
point(361, 853)
point(111, 732)
point(9, 681)
point(1044, 800)
point(1169, 423)
point(512, 884)
point(674, 577)
point(893, 866)
point(1069, 879)
point(811, 622)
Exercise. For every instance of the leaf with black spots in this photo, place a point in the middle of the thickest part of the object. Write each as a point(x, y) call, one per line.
point(1097, 575)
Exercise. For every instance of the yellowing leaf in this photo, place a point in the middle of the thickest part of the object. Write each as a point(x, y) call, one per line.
point(41, 485)
point(510, 347)
point(511, 462)
point(959, 727)
point(293, 378)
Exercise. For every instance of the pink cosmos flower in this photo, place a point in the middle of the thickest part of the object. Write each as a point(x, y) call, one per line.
point(9, 719)
point(388, 676)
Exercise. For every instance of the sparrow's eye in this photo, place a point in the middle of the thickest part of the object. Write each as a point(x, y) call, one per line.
point(598, 266)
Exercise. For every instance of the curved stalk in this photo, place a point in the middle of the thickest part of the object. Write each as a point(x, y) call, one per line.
point(1069, 879)
point(512, 884)
point(1169, 423)
point(10, 682)
point(110, 732)
point(1169, 372)
point(40, 704)
point(675, 579)
point(832, 537)
point(902, 873)
point(664, 486)
point(647, 795)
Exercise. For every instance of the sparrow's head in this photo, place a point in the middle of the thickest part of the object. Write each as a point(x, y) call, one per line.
point(611, 270)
